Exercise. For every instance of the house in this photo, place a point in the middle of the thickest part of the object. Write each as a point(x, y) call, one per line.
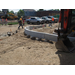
point(29, 12)
point(5, 11)
point(47, 13)
point(1, 14)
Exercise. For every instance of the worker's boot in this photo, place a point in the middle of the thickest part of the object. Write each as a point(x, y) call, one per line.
point(22, 27)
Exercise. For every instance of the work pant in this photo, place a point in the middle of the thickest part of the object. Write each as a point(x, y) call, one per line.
point(5, 22)
point(20, 25)
point(52, 22)
point(2, 23)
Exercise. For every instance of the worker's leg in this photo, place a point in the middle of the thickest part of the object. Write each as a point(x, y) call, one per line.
point(2, 22)
point(52, 22)
point(23, 23)
point(5, 22)
point(22, 26)
point(19, 26)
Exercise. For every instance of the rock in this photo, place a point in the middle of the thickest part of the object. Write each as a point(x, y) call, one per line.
point(11, 44)
point(29, 47)
point(33, 38)
point(13, 33)
point(28, 36)
point(4, 51)
point(46, 46)
point(25, 33)
point(39, 39)
point(9, 33)
point(16, 31)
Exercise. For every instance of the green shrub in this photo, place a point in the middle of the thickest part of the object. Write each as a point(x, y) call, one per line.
point(12, 23)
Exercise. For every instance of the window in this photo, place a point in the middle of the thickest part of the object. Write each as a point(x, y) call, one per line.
point(32, 18)
point(43, 18)
point(51, 17)
point(37, 18)
point(73, 11)
point(73, 16)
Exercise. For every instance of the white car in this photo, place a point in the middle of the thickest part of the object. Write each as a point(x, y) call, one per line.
point(47, 20)
point(35, 20)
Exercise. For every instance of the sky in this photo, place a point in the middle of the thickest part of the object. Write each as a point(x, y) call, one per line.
point(16, 10)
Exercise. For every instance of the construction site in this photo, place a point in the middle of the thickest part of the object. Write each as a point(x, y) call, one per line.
point(36, 44)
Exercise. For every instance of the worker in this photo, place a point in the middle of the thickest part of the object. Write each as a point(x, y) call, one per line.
point(21, 22)
point(2, 21)
point(52, 21)
point(6, 21)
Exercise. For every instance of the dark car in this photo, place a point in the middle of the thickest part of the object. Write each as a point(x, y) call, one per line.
point(46, 19)
point(55, 19)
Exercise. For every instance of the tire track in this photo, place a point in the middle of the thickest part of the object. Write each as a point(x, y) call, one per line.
point(12, 48)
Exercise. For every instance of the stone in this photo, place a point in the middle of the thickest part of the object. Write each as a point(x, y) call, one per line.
point(28, 36)
point(29, 47)
point(33, 38)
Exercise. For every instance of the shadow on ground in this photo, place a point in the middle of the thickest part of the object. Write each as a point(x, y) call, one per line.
point(66, 58)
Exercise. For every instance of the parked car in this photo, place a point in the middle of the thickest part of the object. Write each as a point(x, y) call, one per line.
point(46, 19)
point(36, 20)
point(55, 19)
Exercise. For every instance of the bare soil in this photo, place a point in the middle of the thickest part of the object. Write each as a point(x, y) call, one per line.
point(20, 50)
point(48, 29)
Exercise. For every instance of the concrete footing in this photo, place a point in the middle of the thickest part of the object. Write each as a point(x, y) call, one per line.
point(34, 34)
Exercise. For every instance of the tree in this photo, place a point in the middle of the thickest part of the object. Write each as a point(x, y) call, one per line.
point(11, 12)
point(52, 9)
point(7, 10)
point(20, 13)
point(41, 10)
point(57, 9)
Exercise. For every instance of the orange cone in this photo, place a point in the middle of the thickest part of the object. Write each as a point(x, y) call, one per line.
point(10, 30)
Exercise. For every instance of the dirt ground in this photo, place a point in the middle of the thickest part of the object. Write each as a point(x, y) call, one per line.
point(20, 50)
point(48, 29)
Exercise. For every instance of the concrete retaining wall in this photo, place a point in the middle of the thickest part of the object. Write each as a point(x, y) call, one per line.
point(40, 35)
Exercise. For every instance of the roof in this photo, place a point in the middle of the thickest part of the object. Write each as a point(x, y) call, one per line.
point(1, 12)
point(28, 9)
